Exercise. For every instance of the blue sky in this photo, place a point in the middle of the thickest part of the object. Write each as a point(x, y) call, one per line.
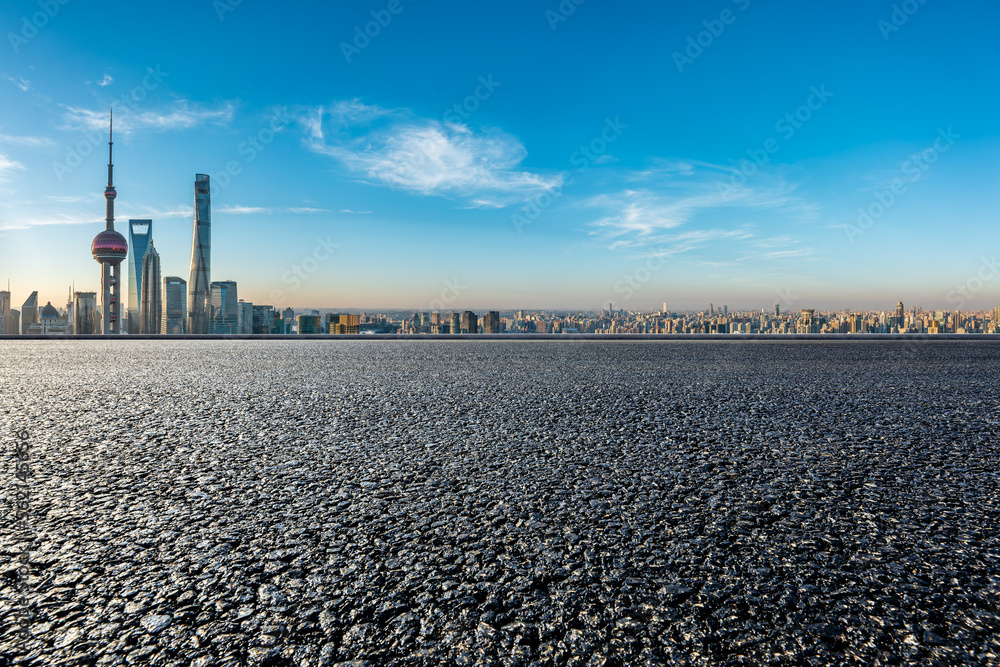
point(514, 154)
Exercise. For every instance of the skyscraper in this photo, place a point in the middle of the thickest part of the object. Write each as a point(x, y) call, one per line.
point(6, 319)
point(456, 326)
point(491, 322)
point(85, 313)
point(225, 313)
point(470, 322)
point(29, 313)
point(151, 308)
point(900, 320)
point(140, 235)
point(245, 309)
point(199, 286)
point(175, 318)
point(109, 249)
point(263, 320)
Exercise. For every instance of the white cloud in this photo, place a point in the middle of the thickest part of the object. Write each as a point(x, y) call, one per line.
point(20, 82)
point(23, 222)
point(32, 142)
point(105, 81)
point(180, 116)
point(8, 165)
point(424, 156)
point(244, 210)
point(678, 206)
point(306, 210)
point(349, 211)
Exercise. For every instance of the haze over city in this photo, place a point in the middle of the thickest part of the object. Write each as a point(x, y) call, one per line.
point(537, 156)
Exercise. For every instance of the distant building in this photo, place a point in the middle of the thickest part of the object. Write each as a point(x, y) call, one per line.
point(310, 324)
point(470, 322)
point(49, 322)
point(140, 233)
point(175, 299)
point(456, 326)
point(224, 315)
point(491, 322)
point(288, 318)
point(85, 318)
point(344, 324)
point(245, 309)
point(29, 312)
point(151, 306)
point(6, 319)
point(199, 296)
point(263, 320)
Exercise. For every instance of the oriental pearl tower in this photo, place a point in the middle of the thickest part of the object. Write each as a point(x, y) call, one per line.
point(110, 248)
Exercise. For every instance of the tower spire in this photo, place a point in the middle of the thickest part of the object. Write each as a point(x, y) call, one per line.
point(109, 192)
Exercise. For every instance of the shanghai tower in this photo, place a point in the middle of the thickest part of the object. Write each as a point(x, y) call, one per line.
point(199, 286)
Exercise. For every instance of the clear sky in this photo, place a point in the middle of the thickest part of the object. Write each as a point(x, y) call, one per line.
point(514, 154)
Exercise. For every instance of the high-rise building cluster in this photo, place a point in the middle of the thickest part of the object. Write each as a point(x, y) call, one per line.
point(160, 304)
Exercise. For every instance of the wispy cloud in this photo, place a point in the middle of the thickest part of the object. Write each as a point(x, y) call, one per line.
point(677, 206)
point(7, 165)
point(423, 156)
point(350, 212)
point(105, 81)
point(26, 222)
point(306, 210)
point(31, 142)
point(180, 116)
point(20, 82)
point(245, 210)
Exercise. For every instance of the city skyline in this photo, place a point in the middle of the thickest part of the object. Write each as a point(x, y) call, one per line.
point(495, 182)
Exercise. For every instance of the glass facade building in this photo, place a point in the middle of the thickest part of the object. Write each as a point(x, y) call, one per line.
point(140, 233)
point(174, 320)
point(225, 314)
point(199, 296)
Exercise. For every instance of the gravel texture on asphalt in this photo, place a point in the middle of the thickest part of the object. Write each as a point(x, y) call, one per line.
point(505, 503)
